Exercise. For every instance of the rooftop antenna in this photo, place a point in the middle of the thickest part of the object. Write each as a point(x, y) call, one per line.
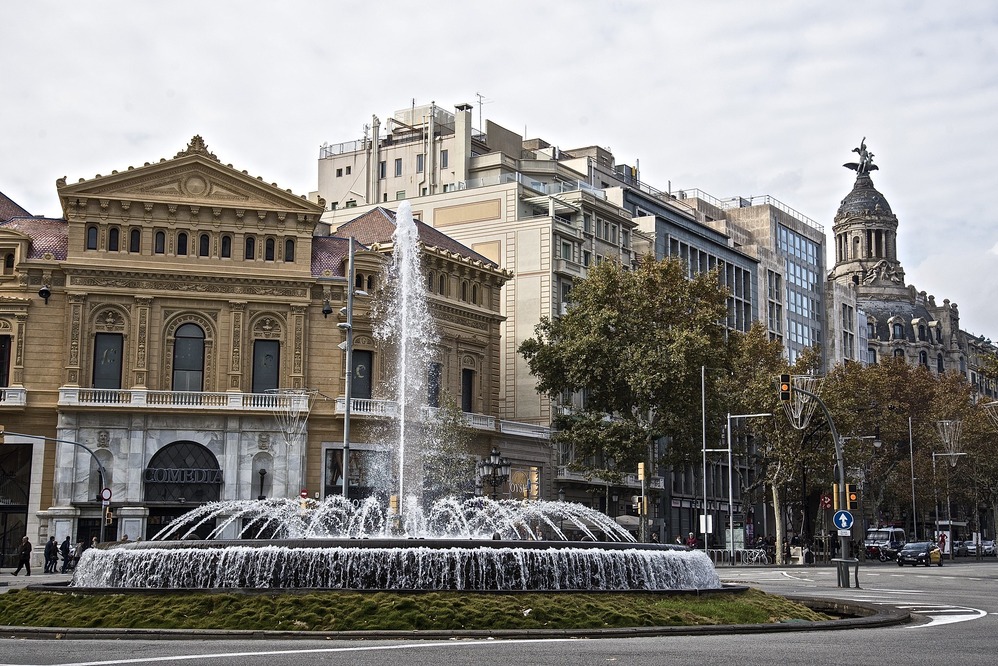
point(481, 101)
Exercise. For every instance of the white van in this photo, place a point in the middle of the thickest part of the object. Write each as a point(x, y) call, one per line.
point(891, 538)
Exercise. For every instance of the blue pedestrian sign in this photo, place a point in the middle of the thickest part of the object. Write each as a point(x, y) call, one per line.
point(842, 520)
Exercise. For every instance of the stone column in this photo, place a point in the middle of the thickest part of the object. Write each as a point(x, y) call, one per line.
point(75, 338)
point(140, 372)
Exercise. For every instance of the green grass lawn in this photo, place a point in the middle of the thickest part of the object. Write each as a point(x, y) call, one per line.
point(349, 611)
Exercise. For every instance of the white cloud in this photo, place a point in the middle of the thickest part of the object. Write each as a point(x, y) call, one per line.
point(732, 97)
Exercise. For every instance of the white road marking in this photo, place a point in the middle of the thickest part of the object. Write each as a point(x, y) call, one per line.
point(264, 653)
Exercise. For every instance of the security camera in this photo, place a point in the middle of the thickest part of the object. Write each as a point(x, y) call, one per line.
point(45, 293)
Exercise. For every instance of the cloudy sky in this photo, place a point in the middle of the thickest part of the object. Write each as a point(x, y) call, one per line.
point(732, 97)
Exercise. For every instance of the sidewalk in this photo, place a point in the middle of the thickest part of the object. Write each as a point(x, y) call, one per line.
point(21, 580)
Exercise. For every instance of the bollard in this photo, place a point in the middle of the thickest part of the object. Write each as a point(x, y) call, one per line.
point(842, 565)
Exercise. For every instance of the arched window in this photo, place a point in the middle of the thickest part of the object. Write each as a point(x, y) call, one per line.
point(113, 239)
point(289, 250)
point(226, 247)
point(923, 359)
point(370, 284)
point(268, 253)
point(250, 248)
point(939, 364)
point(8, 263)
point(474, 294)
point(443, 285)
point(160, 243)
point(134, 240)
point(204, 245)
point(921, 331)
point(899, 353)
point(871, 356)
point(188, 358)
point(358, 281)
point(162, 483)
point(91, 237)
point(871, 331)
point(898, 331)
point(182, 244)
point(464, 291)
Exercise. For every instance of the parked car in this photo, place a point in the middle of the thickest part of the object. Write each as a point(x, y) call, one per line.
point(971, 548)
point(988, 548)
point(960, 548)
point(920, 552)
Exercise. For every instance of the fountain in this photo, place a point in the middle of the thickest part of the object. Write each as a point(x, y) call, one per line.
point(450, 544)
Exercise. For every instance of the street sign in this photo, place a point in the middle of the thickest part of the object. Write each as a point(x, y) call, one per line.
point(842, 520)
point(105, 494)
point(304, 494)
point(845, 533)
point(825, 502)
point(105, 503)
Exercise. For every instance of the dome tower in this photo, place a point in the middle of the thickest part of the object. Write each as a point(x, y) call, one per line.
point(865, 233)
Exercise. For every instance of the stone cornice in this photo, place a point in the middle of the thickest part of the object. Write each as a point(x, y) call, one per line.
point(141, 281)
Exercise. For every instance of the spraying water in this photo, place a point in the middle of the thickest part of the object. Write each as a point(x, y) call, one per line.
point(407, 326)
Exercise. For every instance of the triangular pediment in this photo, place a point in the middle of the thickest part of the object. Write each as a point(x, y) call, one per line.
point(194, 177)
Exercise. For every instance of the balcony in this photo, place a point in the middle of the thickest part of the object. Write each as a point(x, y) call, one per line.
point(75, 397)
point(361, 407)
point(186, 400)
point(629, 480)
point(13, 397)
point(567, 267)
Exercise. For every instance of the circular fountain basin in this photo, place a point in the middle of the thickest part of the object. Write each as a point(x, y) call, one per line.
point(395, 564)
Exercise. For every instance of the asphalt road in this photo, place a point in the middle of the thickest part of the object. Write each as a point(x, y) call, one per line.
point(956, 607)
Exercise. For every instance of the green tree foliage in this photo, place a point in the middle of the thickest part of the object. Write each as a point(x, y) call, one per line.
point(448, 461)
point(632, 343)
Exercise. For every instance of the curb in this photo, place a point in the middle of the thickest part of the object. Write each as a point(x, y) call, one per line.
point(862, 616)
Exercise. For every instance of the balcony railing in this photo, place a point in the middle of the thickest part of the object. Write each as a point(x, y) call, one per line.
point(13, 397)
point(197, 400)
point(629, 480)
point(263, 402)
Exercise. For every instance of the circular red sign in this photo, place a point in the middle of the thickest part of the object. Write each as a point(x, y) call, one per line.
point(304, 494)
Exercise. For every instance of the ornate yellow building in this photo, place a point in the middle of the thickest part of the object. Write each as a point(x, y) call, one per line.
point(159, 331)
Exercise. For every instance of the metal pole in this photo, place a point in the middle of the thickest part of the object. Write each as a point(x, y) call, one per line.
point(840, 462)
point(348, 389)
point(935, 495)
point(911, 452)
point(703, 412)
point(101, 472)
point(731, 500)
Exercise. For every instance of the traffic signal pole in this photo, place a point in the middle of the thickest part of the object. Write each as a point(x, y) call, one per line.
point(839, 464)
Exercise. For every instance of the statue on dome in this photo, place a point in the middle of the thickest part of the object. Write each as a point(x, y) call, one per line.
point(865, 164)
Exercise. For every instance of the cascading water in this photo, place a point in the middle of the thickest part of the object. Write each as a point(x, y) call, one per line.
point(477, 544)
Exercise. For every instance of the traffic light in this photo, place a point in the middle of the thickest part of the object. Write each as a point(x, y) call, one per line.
point(852, 497)
point(641, 471)
point(835, 497)
point(786, 388)
point(108, 517)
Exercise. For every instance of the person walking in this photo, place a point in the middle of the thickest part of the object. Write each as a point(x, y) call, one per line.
point(77, 552)
point(24, 557)
point(64, 551)
point(51, 555)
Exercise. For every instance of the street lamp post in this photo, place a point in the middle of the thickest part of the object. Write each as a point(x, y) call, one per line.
point(911, 454)
point(731, 494)
point(347, 347)
point(935, 491)
point(101, 472)
point(494, 471)
point(263, 474)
